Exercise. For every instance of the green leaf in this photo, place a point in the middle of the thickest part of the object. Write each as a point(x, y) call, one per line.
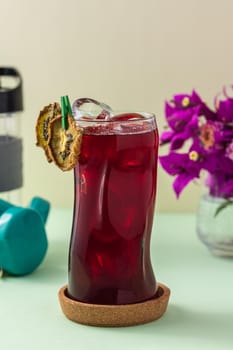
point(222, 206)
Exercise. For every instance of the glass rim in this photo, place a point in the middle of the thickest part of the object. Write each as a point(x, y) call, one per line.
point(147, 116)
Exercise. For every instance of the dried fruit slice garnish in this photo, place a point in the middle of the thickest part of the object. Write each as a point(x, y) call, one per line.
point(64, 144)
point(47, 114)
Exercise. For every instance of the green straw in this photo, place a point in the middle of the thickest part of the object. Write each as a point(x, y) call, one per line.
point(68, 106)
point(65, 110)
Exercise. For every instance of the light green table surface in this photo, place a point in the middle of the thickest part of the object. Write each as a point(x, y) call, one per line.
point(199, 315)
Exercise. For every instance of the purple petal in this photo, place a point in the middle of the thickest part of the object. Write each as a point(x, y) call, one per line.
point(190, 130)
point(166, 136)
point(167, 164)
point(181, 182)
point(226, 165)
point(225, 110)
point(178, 141)
point(214, 164)
point(207, 112)
point(178, 100)
point(179, 119)
point(195, 98)
point(169, 109)
point(227, 189)
point(173, 163)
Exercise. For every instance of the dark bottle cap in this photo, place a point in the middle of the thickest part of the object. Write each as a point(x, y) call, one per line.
point(11, 98)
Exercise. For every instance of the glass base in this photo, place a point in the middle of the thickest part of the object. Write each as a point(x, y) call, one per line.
point(224, 249)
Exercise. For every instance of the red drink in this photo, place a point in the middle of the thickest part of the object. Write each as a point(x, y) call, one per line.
point(115, 188)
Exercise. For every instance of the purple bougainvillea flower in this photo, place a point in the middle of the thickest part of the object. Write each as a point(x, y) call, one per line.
point(184, 102)
point(226, 165)
point(227, 134)
point(212, 136)
point(174, 163)
point(180, 182)
point(178, 118)
point(166, 136)
point(203, 108)
point(207, 137)
point(229, 151)
point(190, 130)
point(218, 164)
point(225, 110)
point(181, 166)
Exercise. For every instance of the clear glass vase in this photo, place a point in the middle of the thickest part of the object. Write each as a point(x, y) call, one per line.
point(215, 231)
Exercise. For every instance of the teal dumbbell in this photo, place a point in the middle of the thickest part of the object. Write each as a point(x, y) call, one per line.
point(23, 240)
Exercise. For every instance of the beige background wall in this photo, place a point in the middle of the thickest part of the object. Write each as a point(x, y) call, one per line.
point(132, 54)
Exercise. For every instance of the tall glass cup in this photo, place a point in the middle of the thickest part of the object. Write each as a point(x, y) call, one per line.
point(115, 190)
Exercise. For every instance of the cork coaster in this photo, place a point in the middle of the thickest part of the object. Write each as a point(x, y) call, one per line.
point(115, 315)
